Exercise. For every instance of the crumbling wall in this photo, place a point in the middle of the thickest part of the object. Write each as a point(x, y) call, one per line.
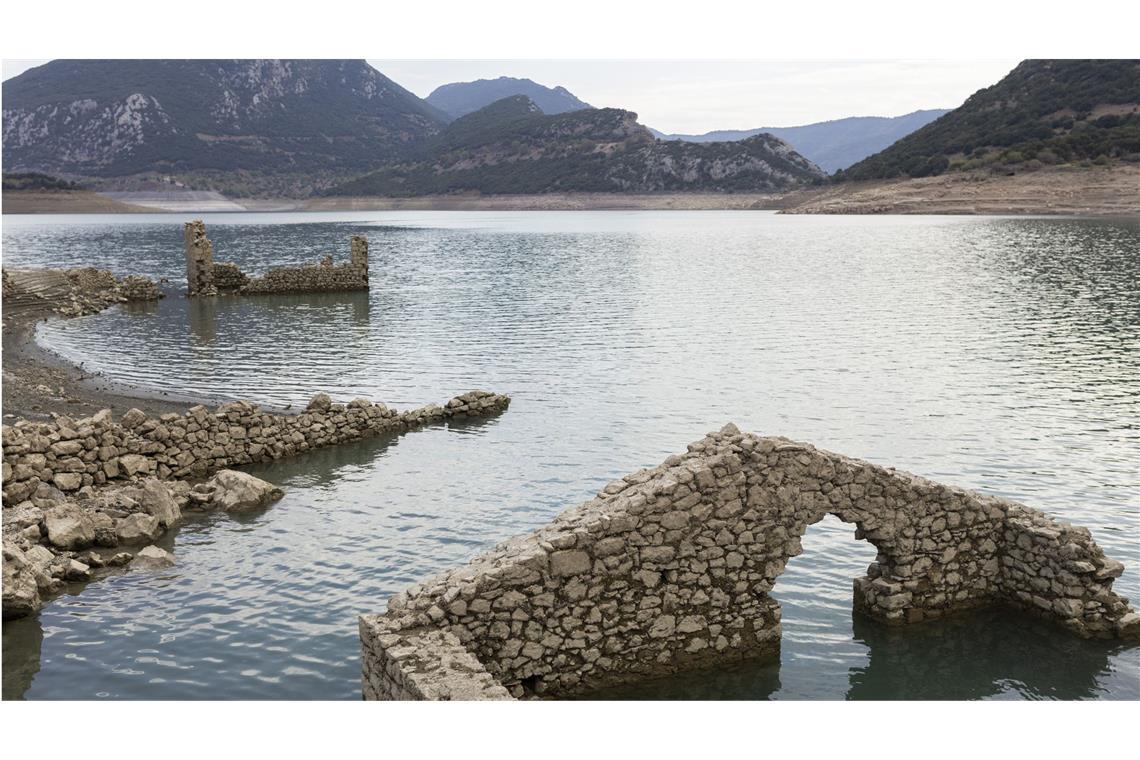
point(228, 278)
point(671, 569)
point(71, 454)
point(199, 259)
point(358, 253)
point(206, 278)
point(323, 277)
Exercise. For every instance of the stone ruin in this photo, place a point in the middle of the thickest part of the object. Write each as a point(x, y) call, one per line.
point(671, 569)
point(95, 483)
point(205, 277)
point(71, 454)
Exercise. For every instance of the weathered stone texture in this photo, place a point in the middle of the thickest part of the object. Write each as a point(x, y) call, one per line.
point(206, 278)
point(199, 259)
point(75, 486)
point(670, 569)
point(72, 454)
point(228, 278)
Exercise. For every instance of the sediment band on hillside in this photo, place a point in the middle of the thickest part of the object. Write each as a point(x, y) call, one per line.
point(671, 569)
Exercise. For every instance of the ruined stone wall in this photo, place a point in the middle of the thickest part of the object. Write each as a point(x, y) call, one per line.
point(671, 569)
point(70, 454)
point(358, 253)
point(228, 278)
point(199, 259)
point(206, 278)
point(324, 277)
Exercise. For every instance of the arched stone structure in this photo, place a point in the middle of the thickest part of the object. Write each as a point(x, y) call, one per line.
point(670, 569)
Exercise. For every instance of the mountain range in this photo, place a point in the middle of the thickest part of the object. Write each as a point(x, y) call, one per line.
point(832, 145)
point(511, 146)
point(1043, 112)
point(461, 98)
point(311, 119)
point(308, 127)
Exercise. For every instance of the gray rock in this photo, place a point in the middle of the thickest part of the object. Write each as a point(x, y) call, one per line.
point(236, 491)
point(155, 498)
point(569, 562)
point(68, 481)
point(21, 594)
point(136, 528)
point(135, 464)
point(69, 527)
point(319, 403)
point(152, 556)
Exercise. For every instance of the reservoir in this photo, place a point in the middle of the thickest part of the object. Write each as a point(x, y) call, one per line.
point(1000, 354)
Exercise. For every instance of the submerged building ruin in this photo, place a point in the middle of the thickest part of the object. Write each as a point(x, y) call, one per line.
point(671, 569)
point(205, 277)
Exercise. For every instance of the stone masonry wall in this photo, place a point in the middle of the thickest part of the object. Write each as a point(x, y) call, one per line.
point(204, 277)
point(671, 569)
point(199, 259)
point(228, 278)
point(70, 454)
point(322, 277)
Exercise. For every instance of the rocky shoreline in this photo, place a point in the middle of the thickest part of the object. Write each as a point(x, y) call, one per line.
point(85, 496)
point(74, 487)
point(52, 539)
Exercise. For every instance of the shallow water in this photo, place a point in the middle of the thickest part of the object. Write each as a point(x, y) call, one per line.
point(999, 354)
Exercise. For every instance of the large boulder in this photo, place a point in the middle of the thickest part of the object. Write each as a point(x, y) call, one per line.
point(69, 527)
point(155, 498)
point(21, 594)
point(236, 491)
point(136, 528)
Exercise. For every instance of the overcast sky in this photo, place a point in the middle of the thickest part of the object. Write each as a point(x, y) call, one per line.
point(700, 96)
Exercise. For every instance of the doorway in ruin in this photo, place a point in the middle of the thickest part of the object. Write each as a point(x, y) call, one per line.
point(819, 650)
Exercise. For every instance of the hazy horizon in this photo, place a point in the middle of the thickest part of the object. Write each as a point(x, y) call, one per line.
point(694, 97)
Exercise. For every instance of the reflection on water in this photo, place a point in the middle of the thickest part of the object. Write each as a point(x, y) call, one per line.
point(1000, 354)
point(987, 654)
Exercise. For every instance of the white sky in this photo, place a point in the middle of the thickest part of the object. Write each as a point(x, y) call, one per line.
point(702, 95)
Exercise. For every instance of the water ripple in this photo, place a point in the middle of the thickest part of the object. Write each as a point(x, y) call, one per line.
point(1000, 354)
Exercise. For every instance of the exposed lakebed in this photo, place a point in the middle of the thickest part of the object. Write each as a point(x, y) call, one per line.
point(999, 354)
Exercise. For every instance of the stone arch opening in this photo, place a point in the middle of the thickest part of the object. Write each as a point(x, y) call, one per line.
point(671, 569)
point(817, 583)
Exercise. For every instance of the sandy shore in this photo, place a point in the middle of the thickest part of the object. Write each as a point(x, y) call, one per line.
point(1108, 191)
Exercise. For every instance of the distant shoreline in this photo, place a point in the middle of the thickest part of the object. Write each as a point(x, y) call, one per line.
point(1058, 191)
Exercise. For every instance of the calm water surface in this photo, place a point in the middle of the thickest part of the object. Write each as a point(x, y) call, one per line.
point(998, 354)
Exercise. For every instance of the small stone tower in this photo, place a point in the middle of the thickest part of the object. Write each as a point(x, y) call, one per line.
point(199, 260)
point(359, 257)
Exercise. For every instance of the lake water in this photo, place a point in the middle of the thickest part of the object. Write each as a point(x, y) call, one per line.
point(1000, 354)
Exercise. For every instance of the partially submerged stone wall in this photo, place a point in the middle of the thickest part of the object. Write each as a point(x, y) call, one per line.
point(83, 494)
point(199, 259)
point(671, 569)
point(70, 454)
point(205, 277)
